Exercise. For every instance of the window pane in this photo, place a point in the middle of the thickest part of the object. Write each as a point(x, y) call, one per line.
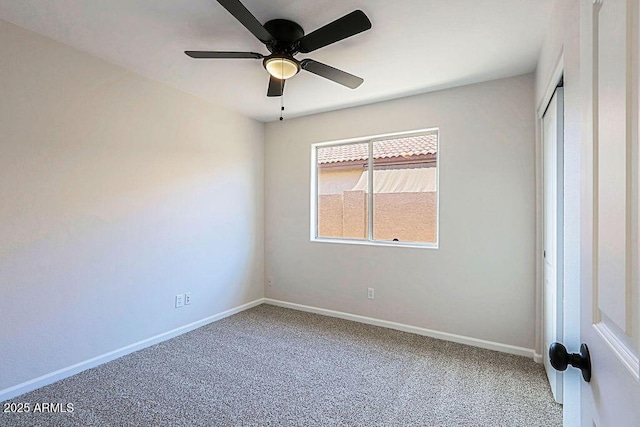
point(342, 208)
point(405, 189)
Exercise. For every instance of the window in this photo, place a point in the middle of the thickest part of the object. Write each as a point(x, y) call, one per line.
point(380, 190)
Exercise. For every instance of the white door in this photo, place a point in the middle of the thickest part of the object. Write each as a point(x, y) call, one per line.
point(552, 128)
point(609, 293)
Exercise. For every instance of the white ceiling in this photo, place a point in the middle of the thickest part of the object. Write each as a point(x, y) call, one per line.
point(414, 46)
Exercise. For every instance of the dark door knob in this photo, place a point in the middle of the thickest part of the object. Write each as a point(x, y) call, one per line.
point(560, 359)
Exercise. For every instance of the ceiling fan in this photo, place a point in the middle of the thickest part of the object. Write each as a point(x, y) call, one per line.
point(284, 39)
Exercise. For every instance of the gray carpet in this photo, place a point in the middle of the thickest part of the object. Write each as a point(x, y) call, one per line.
point(270, 366)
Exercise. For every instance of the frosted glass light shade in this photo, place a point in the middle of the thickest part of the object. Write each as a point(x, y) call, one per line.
point(281, 68)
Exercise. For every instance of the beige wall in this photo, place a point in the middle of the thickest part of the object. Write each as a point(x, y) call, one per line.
point(354, 215)
point(480, 282)
point(116, 194)
point(408, 217)
point(336, 180)
point(330, 215)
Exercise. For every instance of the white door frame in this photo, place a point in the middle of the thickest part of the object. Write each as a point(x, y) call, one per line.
point(571, 310)
point(553, 223)
point(551, 85)
point(539, 260)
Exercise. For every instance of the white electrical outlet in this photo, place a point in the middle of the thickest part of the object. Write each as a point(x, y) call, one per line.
point(179, 300)
point(370, 293)
point(187, 298)
point(270, 281)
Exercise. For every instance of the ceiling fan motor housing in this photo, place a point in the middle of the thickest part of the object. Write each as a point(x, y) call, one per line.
point(286, 34)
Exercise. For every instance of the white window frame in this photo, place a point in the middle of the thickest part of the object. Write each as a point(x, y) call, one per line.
point(370, 241)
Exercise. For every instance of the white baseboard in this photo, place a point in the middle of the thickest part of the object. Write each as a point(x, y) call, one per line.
point(490, 345)
point(537, 357)
point(52, 377)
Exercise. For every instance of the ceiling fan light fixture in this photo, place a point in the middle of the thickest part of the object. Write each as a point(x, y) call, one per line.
point(281, 67)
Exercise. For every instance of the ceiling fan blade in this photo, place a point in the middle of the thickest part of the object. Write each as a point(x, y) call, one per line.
point(347, 26)
point(245, 17)
point(276, 87)
point(222, 55)
point(338, 76)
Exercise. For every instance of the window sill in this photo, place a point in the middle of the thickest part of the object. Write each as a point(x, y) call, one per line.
point(376, 243)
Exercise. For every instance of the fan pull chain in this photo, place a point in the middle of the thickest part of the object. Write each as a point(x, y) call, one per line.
point(281, 90)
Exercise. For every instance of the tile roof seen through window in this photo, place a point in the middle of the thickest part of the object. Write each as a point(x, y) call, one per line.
point(398, 147)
